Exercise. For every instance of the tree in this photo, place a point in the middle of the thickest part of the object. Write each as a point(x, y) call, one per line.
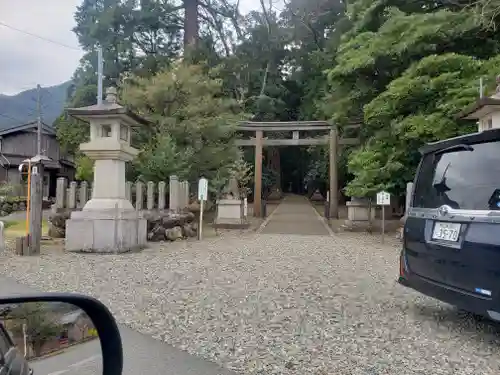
point(242, 172)
point(193, 124)
point(407, 69)
point(38, 321)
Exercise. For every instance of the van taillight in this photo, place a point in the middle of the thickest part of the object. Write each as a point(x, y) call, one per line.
point(401, 267)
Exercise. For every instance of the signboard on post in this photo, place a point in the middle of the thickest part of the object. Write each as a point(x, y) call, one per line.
point(202, 189)
point(383, 199)
point(202, 197)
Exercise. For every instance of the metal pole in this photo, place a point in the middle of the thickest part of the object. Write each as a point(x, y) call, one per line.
point(39, 121)
point(100, 65)
point(383, 223)
point(200, 225)
point(481, 87)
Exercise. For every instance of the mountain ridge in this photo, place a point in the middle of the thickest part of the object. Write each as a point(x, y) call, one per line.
point(20, 108)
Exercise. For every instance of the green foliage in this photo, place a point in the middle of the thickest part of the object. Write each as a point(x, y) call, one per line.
point(84, 168)
point(37, 318)
point(404, 69)
point(192, 124)
point(418, 107)
point(407, 69)
point(242, 172)
point(6, 189)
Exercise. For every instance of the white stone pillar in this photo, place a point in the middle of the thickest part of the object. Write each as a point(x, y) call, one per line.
point(161, 195)
point(174, 193)
point(84, 193)
point(128, 191)
point(150, 204)
point(61, 192)
point(72, 195)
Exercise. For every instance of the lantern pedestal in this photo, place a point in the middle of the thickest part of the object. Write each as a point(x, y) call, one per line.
point(106, 231)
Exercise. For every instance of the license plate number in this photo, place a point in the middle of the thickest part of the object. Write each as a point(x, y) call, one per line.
point(446, 231)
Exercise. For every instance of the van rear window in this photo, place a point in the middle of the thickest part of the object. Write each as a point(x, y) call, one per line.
point(465, 178)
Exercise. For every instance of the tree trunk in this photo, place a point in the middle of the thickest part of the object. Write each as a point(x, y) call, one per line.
point(190, 24)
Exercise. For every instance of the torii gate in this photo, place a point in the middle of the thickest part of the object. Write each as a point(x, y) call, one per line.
point(296, 127)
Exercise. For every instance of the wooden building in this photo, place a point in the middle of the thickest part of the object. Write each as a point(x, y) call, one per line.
point(19, 143)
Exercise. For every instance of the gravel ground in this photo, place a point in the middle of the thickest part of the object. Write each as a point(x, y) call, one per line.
point(270, 304)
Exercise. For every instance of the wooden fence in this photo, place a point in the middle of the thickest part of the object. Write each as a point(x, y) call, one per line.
point(173, 195)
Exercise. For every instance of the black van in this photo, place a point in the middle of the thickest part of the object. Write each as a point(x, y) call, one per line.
point(451, 239)
point(12, 362)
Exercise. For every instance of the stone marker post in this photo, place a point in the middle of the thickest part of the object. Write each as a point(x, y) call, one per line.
point(128, 190)
point(174, 193)
point(186, 202)
point(139, 195)
point(83, 193)
point(67, 199)
point(161, 195)
point(180, 197)
point(150, 195)
point(72, 195)
point(61, 192)
point(183, 195)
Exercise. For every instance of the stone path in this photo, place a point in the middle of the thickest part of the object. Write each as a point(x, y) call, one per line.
point(295, 215)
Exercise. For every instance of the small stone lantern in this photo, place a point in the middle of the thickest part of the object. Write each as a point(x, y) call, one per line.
point(108, 222)
point(486, 111)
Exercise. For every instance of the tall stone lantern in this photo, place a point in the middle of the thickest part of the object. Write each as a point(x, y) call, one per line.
point(108, 222)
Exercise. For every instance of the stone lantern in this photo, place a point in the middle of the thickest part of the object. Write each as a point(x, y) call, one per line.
point(486, 111)
point(108, 222)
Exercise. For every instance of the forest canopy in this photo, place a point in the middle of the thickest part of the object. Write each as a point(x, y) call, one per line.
point(401, 69)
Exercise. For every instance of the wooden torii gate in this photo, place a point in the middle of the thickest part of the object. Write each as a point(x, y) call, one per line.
point(296, 128)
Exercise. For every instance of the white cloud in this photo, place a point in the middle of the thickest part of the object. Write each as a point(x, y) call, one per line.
point(26, 61)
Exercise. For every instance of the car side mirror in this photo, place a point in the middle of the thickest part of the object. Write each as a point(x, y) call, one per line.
point(40, 326)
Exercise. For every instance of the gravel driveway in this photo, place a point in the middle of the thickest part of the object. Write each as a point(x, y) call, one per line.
point(273, 304)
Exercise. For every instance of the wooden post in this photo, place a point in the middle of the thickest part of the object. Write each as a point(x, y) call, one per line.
point(19, 245)
point(25, 245)
point(257, 204)
point(36, 208)
point(28, 198)
point(334, 199)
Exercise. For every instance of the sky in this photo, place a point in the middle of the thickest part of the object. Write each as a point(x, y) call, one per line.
point(25, 60)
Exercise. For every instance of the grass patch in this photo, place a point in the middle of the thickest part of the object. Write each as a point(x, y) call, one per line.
point(17, 228)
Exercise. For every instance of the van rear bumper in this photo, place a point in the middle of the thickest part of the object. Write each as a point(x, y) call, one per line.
point(486, 306)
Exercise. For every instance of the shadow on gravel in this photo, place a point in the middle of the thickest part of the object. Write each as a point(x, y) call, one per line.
point(455, 320)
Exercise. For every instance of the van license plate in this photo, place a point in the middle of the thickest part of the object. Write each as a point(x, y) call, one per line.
point(446, 231)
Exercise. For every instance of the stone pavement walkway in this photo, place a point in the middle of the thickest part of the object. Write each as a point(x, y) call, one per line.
point(295, 215)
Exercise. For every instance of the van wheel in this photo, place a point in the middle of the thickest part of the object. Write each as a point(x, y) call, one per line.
point(467, 314)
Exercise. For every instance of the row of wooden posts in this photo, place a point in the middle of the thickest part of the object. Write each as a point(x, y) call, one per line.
point(143, 196)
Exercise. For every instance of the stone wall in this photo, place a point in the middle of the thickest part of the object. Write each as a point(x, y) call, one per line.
point(165, 205)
